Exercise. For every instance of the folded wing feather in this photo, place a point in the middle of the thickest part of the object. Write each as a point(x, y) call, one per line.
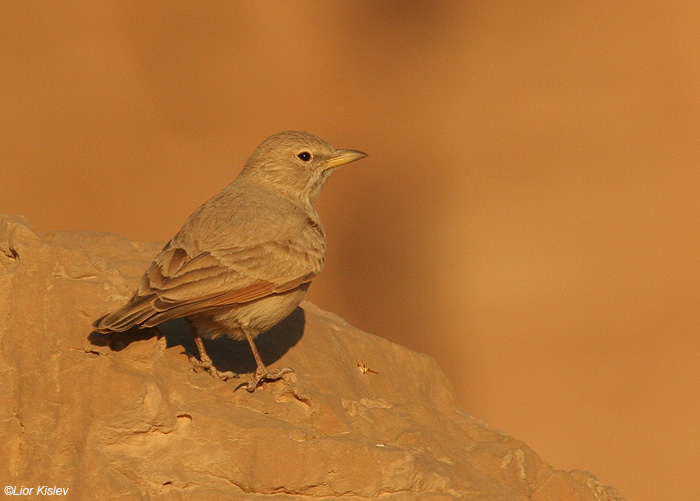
point(177, 284)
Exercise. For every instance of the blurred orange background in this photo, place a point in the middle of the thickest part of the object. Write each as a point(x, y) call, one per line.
point(529, 214)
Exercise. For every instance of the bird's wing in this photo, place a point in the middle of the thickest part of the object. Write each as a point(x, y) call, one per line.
point(228, 276)
point(177, 284)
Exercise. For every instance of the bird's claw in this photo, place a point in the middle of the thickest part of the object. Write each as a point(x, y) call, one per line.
point(262, 375)
point(208, 366)
point(223, 375)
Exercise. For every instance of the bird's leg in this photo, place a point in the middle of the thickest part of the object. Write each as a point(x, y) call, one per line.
point(261, 372)
point(204, 361)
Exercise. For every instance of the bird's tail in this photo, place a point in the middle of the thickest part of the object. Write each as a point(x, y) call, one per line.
point(132, 314)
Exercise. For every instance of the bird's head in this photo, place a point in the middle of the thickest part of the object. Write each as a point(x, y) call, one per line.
point(297, 163)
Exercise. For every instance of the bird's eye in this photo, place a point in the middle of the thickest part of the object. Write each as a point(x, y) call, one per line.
point(305, 156)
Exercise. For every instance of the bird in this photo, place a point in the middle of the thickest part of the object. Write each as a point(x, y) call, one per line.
point(242, 261)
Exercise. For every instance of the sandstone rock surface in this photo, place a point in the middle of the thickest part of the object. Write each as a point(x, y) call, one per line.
point(108, 418)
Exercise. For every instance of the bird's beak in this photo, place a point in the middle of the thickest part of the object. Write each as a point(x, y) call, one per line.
point(342, 157)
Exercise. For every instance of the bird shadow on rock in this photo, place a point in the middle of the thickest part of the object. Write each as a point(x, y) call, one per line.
point(226, 353)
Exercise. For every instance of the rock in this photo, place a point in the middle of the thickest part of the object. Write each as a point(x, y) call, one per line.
point(126, 415)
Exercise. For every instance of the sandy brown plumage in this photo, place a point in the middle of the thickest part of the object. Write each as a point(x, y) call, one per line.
point(243, 260)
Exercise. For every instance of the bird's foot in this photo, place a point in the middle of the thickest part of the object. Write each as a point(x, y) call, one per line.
point(208, 366)
point(262, 375)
